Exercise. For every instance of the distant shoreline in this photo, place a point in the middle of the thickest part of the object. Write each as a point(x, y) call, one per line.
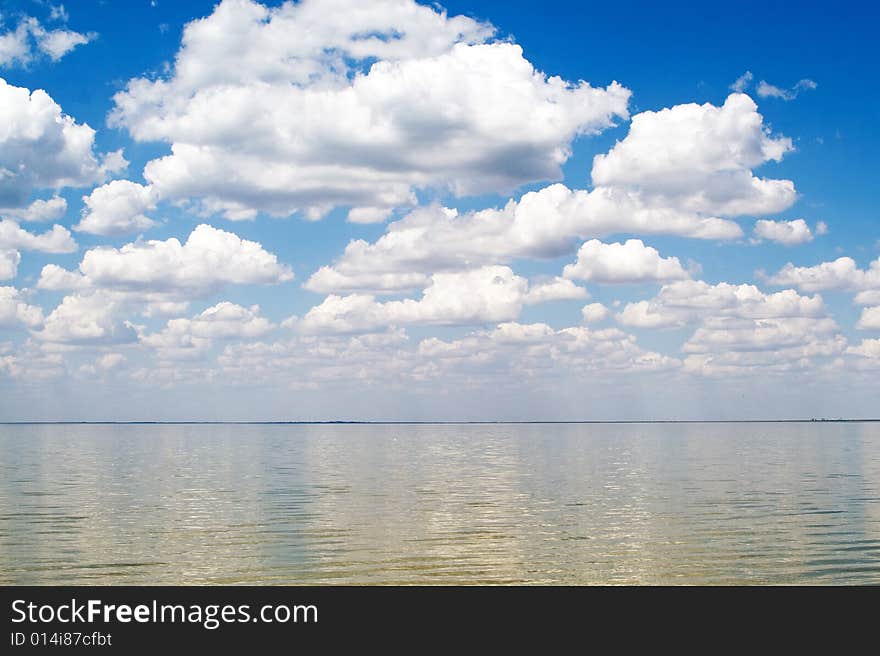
point(437, 423)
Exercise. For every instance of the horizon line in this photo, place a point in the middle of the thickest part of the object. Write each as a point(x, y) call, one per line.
point(817, 420)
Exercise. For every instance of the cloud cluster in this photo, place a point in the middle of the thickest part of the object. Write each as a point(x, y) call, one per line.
point(189, 338)
point(295, 109)
point(678, 172)
point(739, 327)
point(489, 294)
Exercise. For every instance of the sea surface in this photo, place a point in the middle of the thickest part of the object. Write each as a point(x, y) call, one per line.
point(714, 503)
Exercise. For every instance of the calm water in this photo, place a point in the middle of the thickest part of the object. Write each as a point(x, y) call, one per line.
point(578, 504)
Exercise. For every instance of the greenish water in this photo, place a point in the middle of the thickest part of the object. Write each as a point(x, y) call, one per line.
point(440, 504)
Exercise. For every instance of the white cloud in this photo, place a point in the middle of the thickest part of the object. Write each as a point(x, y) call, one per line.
point(679, 171)
point(55, 240)
point(117, 208)
point(40, 147)
point(595, 312)
point(557, 289)
point(741, 329)
point(9, 261)
point(842, 273)
point(870, 319)
point(869, 348)
point(742, 82)
point(487, 295)
point(87, 319)
point(686, 301)
point(630, 262)
point(541, 224)
point(767, 90)
point(39, 211)
point(699, 158)
point(301, 108)
point(19, 47)
point(789, 233)
point(15, 310)
point(185, 338)
point(537, 350)
point(109, 361)
point(208, 260)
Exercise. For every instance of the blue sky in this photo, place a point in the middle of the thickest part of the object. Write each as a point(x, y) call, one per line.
point(443, 113)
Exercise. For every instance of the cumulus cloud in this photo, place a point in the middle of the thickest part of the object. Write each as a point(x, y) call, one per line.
point(842, 273)
point(767, 90)
point(313, 105)
point(595, 312)
point(630, 262)
point(185, 338)
point(29, 39)
point(557, 289)
point(117, 208)
point(42, 148)
point(868, 348)
point(169, 270)
point(740, 328)
point(679, 171)
point(485, 295)
point(87, 319)
point(699, 158)
point(788, 233)
point(542, 224)
point(9, 261)
point(39, 211)
point(870, 319)
point(15, 311)
point(55, 240)
point(686, 301)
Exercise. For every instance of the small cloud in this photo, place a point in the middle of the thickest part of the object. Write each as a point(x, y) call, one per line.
point(767, 90)
point(742, 82)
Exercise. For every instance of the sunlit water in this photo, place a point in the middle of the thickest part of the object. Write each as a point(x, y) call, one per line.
point(551, 503)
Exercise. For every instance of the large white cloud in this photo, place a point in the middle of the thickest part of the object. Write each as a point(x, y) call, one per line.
point(699, 158)
point(209, 259)
point(630, 262)
point(40, 147)
point(679, 171)
point(317, 104)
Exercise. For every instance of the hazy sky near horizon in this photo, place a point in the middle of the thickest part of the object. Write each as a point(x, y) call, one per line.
point(380, 209)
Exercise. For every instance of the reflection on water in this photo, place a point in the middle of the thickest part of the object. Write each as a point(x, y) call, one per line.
point(542, 503)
